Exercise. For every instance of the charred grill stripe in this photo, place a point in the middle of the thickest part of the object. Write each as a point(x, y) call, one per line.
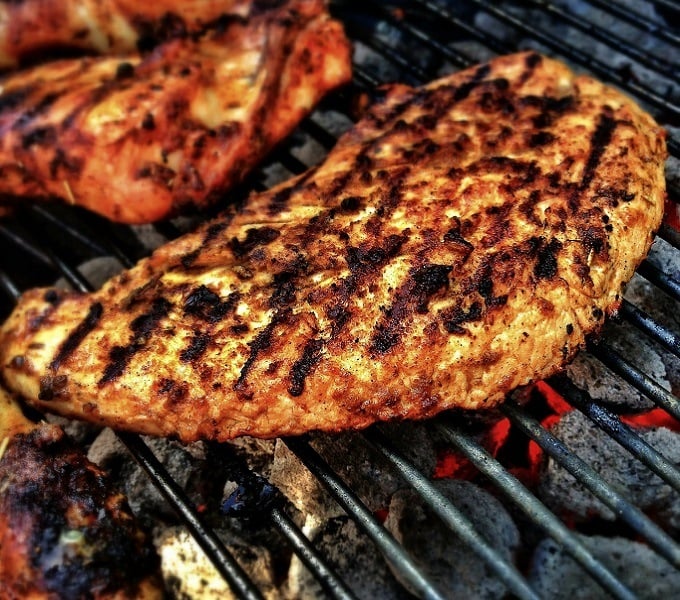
point(212, 231)
point(196, 348)
point(261, 342)
point(598, 144)
point(142, 329)
point(413, 295)
point(279, 201)
point(311, 355)
point(76, 337)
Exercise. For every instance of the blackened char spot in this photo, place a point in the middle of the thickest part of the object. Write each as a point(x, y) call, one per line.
point(142, 328)
point(413, 296)
point(546, 259)
point(454, 318)
point(598, 144)
point(311, 355)
point(256, 236)
point(429, 279)
point(40, 136)
point(196, 348)
point(207, 305)
point(76, 337)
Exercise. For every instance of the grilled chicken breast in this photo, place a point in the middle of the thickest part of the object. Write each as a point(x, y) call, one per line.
point(39, 29)
point(460, 241)
point(139, 138)
point(64, 531)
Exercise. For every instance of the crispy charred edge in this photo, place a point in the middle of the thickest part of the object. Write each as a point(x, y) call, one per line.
point(46, 480)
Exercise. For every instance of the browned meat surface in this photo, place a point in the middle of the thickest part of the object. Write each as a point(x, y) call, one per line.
point(141, 137)
point(461, 240)
point(38, 29)
point(64, 531)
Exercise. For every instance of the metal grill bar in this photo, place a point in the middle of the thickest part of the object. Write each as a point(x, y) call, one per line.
point(660, 279)
point(213, 547)
point(588, 477)
point(635, 18)
point(646, 323)
point(363, 517)
point(616, 42)
point(614, 361)
point(620, 432)
point(534, 509)
point(453, 518)
point(326, 576)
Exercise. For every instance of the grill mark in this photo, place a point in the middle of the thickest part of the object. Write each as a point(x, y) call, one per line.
point(412, 296)
point(255, 236)
point(364, 264)
point(196, 348)
point(262, 341)
point(279, 201)
point(77, 336)
point(142, 327)
point(598, 144)
point(311, 355)
point(211, 233)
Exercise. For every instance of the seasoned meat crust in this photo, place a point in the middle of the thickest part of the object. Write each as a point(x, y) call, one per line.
point(65, 532)
point(461, 240)
point(35, 29)
point(141, 137)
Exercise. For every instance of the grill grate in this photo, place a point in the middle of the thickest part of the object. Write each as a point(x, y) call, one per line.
point(48, 242)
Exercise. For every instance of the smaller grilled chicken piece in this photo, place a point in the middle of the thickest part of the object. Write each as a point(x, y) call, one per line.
point(461, 240)
point(38, 29)
point(139, 139)
point(64, 531)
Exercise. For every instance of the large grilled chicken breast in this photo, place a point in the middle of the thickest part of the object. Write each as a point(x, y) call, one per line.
point(38, 29)
point(461, 240)
point(65, 532)
point(139, 138)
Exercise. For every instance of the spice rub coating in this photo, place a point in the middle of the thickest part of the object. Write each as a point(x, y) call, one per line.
point(461, 240)
point(141, 137)
point(32, 30)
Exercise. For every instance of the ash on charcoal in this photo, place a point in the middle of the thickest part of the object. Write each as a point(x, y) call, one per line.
point(554, 574)
point(354, 558)
point(187, 465)
point(447, 562)
point(591, 375)
point(189, 574)
point(364, 469)
point(257, 454)
point(559, 490)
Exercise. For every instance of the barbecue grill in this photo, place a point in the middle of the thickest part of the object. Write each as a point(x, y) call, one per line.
point(632, 45)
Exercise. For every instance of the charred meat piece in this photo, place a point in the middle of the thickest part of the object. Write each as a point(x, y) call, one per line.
point(64, 531)
point(32, 30)
point(461, 240)
point(139, 138)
